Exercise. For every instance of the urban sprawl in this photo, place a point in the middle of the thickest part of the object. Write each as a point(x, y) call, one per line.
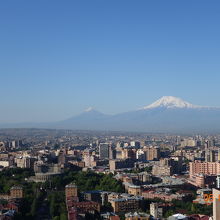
point(65, 174)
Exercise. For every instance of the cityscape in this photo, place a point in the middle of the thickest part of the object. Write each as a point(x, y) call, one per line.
point(66, 174)
point(109, 110)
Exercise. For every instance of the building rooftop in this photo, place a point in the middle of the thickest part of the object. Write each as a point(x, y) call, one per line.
point(71, 185)
point(16, 187)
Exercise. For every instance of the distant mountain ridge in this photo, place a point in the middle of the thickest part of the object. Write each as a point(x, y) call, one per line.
point(168, 114)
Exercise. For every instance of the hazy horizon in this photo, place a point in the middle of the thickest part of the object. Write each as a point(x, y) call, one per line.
point(90, 109)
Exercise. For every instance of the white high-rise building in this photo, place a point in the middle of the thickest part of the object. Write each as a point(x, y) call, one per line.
point(219, 155)
point(218, 181)
point(140, 155)
point(135, 144)
point(156, 211)
point(216, 204)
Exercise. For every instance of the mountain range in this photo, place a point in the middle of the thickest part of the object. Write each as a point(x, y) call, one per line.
point(168, 114)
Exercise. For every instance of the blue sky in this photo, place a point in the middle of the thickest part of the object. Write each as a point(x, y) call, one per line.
point(59, 57)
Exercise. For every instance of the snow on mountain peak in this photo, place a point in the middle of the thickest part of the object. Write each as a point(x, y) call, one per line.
point(89, 109)
point(171, 102)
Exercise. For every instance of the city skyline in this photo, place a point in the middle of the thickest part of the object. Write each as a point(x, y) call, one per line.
point(58, 59)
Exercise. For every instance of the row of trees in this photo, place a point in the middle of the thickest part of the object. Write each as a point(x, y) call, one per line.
point(13, 176)
point(86, 181)
point(189, 208)
point(57, 205)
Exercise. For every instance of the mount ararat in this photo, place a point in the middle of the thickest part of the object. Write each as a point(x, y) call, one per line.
point(168, 114)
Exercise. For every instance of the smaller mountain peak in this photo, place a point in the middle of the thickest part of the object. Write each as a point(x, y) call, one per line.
point(89, 109)
point(171, 102)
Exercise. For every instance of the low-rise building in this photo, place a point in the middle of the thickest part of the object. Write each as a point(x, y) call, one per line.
point(159, 170)
point(121, 164)
point(201, 180)
point(126, 204)
point(4, 163)
point(134, 190)
point(110, 216)
point(71, 190)
point(137, 216)
point(16, 192)
point(166, 196)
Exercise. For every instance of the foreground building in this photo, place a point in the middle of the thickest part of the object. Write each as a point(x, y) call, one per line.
point(216, 204)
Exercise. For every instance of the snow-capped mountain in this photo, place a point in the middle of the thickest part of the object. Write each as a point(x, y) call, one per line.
point(171, 102)
point(168, 114)
point(89, 109)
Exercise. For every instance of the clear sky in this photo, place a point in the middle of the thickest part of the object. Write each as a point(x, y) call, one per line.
point(59, 57)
